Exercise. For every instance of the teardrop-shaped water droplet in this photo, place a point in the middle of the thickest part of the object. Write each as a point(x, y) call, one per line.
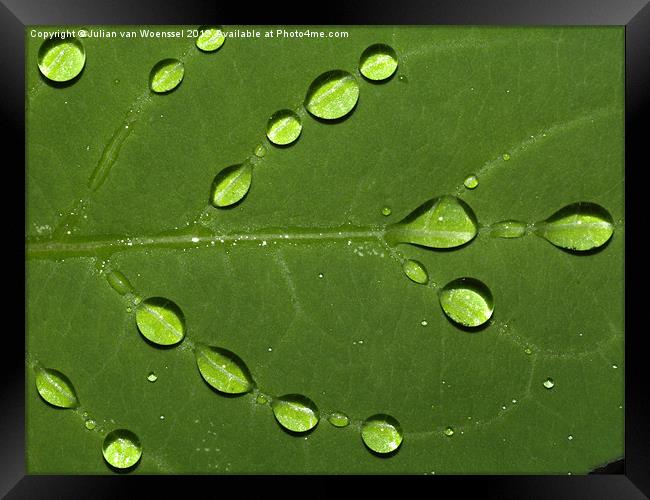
point(295, 412)
point(338, 419)
point(382, 433)
point(61, 60)
point(166, 75)
point(467, 301)
point(161, 321)
point(55, 388)
point(210, 39)
point(283, 127)
point(122, 449)
point(378, 62)
point(549, 383)
point(231, 184)
point(223, 370)
point(508, 229)
point(415, 271)
point(580, 226)
point(119, 282)
point(471, 182)
point(332, 95)
point(443, 222)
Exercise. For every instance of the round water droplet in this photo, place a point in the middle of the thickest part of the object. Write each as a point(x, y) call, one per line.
point(443, 222)
point(122, 449)
point(119, 282)
point(261, 399)
point(505, 156)
point(508, 229)
point(338, 419)
point(528, 350)
point(332, 95)
point(378, 62)
point(467, 301)
point(549, 383)
point(166, 75)
point(320, 275)
point(403, 79)
point(152, 377)
point(570, 437)
point(223, 370)
point(382, 433)
point(283, 127)
point(449, 431)
point(471, 182)
point(90, 424)
point(415, 271)
point(160, 321)
point(210, 39)
point(61, 60)
point(295, 412)
point(386, 211)
point(580, 226)
point(231, 184)
point(55, 388)
point(424, 322)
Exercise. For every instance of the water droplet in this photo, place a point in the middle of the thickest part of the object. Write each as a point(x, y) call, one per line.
point(549, 383)
point(55, 388)
point(260, 151)
point(210, 39)
point(162, 417)
point(424, 322)
point(570, 437)
point(223, 370)
point(467, 301)
point(614, 366)
point(378, 62)
point(119, 282)
point(295, 412)
point(161, 321)
point(231, 184)
point(382, 433)
point(116, 81)
point(166, 75)
point(505, 156)
point(90, 424)
point(332, 95)
point(580, 226)
point(152, 377)
point(338, 419)
point(122, 449)
point(129, 309)
point(508, 229)
point(449, 431)
point(61, 60)
point(415, 271)
point(284, 127)
point(471, 182)
point(443, 222)
point(528, 350)
point(320, 275)
point(261, 399)
point(386, 211)
point(403, 79)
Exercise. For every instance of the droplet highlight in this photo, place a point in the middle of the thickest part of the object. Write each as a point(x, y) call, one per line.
point(55, 388)
point(378, 62)
point(338, 419)
point(166, 75)
point(160, 321)
point(508, 229)
point(580, 226)
point(223, 370)
point(415, 271)
point(382, 433)
point(210, 39)
point(467, 301)
point(284, 127)
point(231, 185)
point(61, 60)
point(295, 412)
point(471, 182)
point(549, 383)
point(122, 449)
point(332, 95)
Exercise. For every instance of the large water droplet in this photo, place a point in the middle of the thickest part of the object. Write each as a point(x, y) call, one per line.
point(223, 370)
point(60, 60)
point(580, 226)
point(166, 75)
point(338, 419)
point(231, 184)
point(119, 282)
point(471, 182)
point(508, 229)
point(332, 95)
point(467, 301)
point(55, 388)
point(378, 62)
point(283, 127)
point(122, 449)
point(160, 321)
point(295, 412)
point(443, 222)
point(415, 271)
point(210, 39)
point(382, 433)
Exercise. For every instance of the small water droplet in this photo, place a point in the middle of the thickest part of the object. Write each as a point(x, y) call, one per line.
point(580, 226)
point(320, 275)
point(284, 127)
point(549, 383)
point(210, 39)
point(505, 156)
point(386, 211)
point(223, 370)
point(55, 388)
point(152, 377)
point(570, 437)
point(90, 424)
point(415, 271)
point(260, 151)
point(162, 417)
point(528, 350)
point(471, 182)
point(295, 412)
point(338, 419)
point(166, 75)
point(467, 301)
point(231, 184)
point(382, 433)
point(116, 81)
point(424, 322)
point(61, 60)
point(508, 229)
point(378, 62)
point(129, 309)
point(332, 95)
point(614, 366)
point(122, 449)
point(160, 321)
point(449, 431)
point(403, 79)
point(119, 282)
point(514, 401)
point(261, 399)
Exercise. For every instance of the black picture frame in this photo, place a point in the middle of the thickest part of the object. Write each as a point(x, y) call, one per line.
point(623, 479)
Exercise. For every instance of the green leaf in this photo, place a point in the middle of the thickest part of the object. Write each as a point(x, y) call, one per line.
point(298, 271)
